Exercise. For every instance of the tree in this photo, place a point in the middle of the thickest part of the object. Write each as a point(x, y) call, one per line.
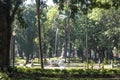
point(110, 22)
point(29, 17)
point(85, 5)
point(8, 10)
point(39, 12)
point(26, 36)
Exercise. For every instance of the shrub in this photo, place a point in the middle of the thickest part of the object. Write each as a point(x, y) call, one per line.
point(112, 71)
point(4, 76)
point(102, 66)
point(115, 61)
point(85, 64)
point(28, 73)
point(94, 72)
point(74, 72)
point(80, 71)
point(91, 64)
point(102, 71)
point(64, 71)
point(105, 61)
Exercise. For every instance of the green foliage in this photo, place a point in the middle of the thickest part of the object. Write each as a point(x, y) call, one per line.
point(85, 64)
point(52, 14)
point(91, 64)
point(20, 18)
point(25, 36)
point(80, 71)
point(115, 61)
point(111, 71)
point(96, 14)
point(94, 72)
point(116, 3)
point(103, 71)
point(109, 61)
point(85, 5)
point(28, 73)
point(102, 66)
point(102, 25)
point(4, 76)
point(105, 61)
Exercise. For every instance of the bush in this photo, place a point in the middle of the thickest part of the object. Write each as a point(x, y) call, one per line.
point(115, 61)
point(85, 64)
point(80, 71)
point(4, 76)
point(91, 64)
point(28, 73)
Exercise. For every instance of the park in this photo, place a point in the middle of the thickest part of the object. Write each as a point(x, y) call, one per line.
point(59, 39)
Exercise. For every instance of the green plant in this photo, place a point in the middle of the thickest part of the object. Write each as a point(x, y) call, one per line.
point(74, 72)
point(32, 74)
point(64, 71)
point(115, 61)
point(105, 61)
point(103, 72)
point(4, 76)
point(85, 64)
point(112, 71)
point(80, 71)
point(91, 64)
point(102, 66)
point(95, 72)
point(109, 61)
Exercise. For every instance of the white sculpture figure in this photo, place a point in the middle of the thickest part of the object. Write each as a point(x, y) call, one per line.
point(92, 54)
point(115, 52)
point(61, 64)
point(62, 54)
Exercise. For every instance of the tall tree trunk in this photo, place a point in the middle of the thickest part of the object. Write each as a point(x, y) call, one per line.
point(6, 19)
point(64, 55)
point(64, 46)
point(39, 30)
point(5, 35)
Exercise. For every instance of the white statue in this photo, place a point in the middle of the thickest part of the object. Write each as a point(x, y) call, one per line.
point(115, 52)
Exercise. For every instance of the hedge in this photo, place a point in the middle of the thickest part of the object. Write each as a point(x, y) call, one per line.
point(29, 73)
